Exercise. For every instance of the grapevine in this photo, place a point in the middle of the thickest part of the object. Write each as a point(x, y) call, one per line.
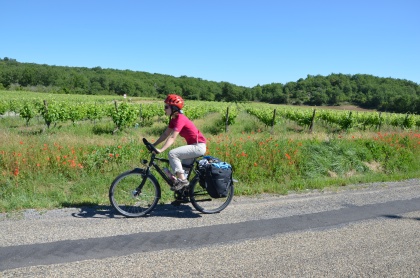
point(4, 107)
point(27, 112)
point(124, 115)
point(51, 112)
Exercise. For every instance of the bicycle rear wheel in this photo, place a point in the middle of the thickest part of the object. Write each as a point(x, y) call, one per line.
point(203, 202)
point(131, 201)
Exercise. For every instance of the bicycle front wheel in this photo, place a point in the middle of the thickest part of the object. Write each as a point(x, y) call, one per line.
point(203, 202)
point(131, 199)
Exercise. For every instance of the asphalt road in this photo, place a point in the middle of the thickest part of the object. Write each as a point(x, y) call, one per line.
point(361, 230)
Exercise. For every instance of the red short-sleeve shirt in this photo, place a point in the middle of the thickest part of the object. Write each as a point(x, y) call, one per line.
point(187, 129)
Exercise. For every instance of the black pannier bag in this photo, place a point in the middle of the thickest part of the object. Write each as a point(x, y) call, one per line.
point(217, 178)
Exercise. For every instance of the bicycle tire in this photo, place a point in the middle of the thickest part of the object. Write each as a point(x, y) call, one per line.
point(123, 198)
point(203, 202)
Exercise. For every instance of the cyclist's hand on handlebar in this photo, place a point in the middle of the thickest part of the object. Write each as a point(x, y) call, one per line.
point(157, 151)
point(150, 146)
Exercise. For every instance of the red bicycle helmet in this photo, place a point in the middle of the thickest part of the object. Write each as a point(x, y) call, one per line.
point(174, 100)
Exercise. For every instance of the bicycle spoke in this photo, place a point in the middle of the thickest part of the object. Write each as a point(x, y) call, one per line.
point(124, 198)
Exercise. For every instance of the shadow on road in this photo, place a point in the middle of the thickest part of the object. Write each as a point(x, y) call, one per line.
point(165, 210)
point(400, 217)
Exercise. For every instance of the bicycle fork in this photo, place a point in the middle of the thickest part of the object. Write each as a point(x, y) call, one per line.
point(144, 173)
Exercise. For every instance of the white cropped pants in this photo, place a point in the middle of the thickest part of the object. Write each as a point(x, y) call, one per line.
point(185, 154)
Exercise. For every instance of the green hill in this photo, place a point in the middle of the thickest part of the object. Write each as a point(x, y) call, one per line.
point(363, 90)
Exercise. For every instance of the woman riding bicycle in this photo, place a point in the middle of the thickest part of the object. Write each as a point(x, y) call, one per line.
point(180, 124)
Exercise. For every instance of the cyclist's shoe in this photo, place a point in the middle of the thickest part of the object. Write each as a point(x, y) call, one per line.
point(179, 184)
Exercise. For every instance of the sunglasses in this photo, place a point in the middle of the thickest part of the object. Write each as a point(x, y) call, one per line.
point(166, 107)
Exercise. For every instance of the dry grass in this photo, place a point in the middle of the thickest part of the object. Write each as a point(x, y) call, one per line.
point(374, 166)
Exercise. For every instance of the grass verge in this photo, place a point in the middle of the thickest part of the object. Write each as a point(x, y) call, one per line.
point(69, 165)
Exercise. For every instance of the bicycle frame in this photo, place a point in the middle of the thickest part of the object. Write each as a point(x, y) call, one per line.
point(169, 181)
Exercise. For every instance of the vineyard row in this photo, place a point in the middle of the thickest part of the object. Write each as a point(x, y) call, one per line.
point(344, 120)
point(126, 114)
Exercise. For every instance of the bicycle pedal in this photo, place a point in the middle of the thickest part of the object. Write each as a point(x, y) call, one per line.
point(184, 191)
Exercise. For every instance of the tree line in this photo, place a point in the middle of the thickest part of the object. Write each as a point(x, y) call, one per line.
point(367, 91)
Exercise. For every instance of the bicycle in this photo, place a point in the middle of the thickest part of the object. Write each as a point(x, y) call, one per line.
point(136, 192)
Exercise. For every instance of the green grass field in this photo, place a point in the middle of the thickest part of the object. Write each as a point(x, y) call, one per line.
point(71, 165)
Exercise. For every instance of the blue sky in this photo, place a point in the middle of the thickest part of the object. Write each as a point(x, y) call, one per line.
point(242, 42)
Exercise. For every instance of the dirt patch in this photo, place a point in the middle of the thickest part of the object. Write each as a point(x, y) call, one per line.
point(332, 174)
point(350, 173)
point(374, 166)
point(350, 108)
point(344, 107)
point(9, 114)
